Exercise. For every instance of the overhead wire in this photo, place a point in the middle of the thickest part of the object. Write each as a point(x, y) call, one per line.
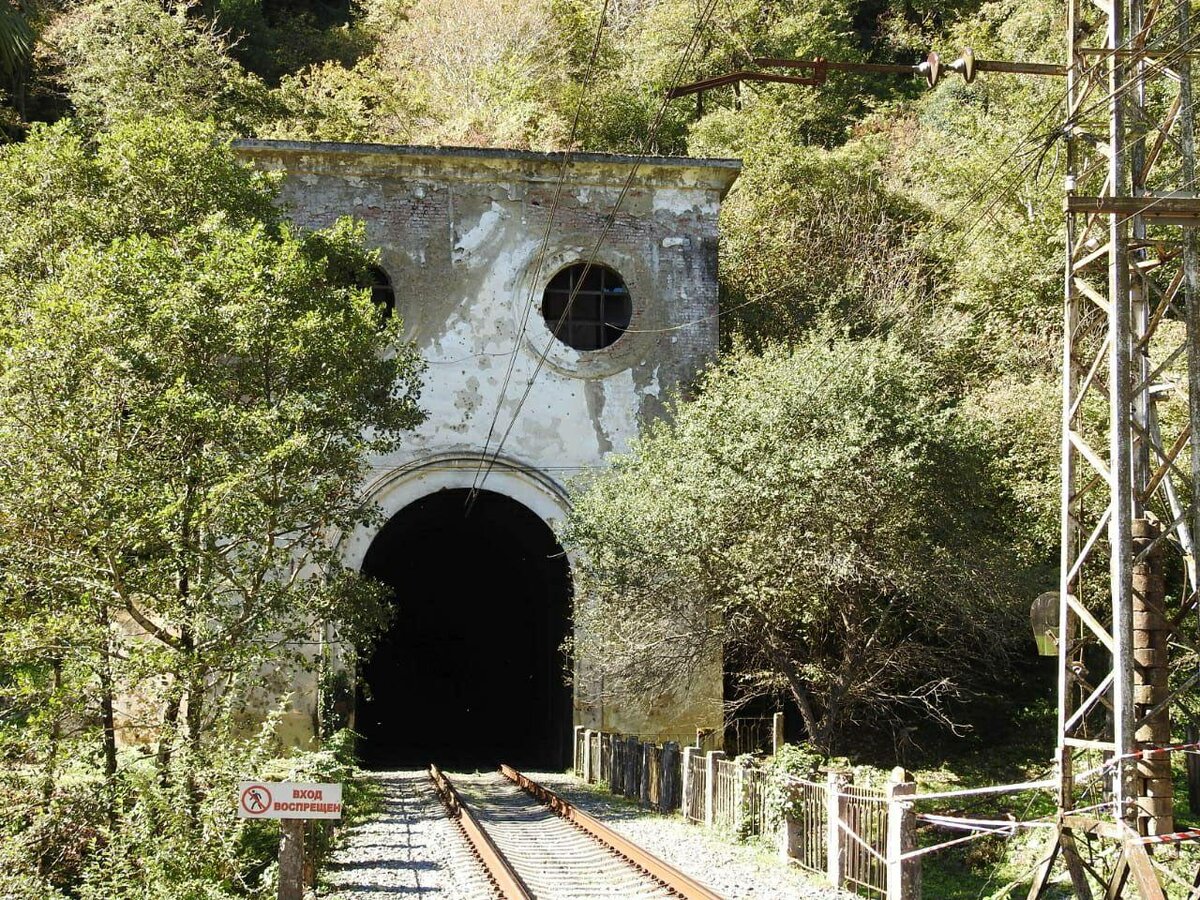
point(610, 220)
point(1034, 138)
point(1011, 181)
point(545, 243)
point(1007, 182)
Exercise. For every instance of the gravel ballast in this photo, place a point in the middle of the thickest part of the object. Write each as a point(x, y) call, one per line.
point(412, 849)
point(731, 869)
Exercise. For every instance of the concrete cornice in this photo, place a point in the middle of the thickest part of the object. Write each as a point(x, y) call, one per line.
point(487, 164)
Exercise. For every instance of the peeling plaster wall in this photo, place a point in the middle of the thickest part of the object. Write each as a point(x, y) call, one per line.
point(459, 233)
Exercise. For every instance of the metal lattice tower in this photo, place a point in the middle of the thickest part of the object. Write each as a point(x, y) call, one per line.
point(1131, 328)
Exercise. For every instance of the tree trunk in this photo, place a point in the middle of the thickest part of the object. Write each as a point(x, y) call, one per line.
point(107, 716)
point(55, 738)
point(167, 731)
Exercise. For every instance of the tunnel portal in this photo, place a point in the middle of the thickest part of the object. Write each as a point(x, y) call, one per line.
point(470, 673)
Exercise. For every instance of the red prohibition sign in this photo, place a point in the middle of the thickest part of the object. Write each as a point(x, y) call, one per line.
point(256, 799)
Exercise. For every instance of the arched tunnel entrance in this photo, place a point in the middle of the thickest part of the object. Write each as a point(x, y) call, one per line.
point(470, 673)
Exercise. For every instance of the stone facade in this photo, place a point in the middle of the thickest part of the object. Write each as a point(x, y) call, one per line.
point(459, 233)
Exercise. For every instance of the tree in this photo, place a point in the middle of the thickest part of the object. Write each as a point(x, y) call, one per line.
point(189, 389)
point(130, 58)
point(821, 518)
point(16, 37)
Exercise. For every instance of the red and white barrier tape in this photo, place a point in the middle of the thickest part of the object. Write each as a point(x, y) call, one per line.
point(1173, 838)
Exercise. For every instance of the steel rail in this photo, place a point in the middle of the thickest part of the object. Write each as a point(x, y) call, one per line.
point(506, 879)
point(683, 885)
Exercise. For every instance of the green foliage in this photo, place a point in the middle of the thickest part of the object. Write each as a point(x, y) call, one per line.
point(332, 103)
point(130, 58)
point(822, 517)
point(16, 37)
point(189, 388)
point(815, 239)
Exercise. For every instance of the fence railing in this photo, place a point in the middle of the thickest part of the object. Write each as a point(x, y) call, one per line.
point(864, 822)
point(695, 780)
point(810, 821)
point(855, 836)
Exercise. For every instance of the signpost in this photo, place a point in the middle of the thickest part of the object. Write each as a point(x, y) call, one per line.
point(292, 802)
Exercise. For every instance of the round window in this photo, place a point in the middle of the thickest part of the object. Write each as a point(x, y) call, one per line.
point(587, 307)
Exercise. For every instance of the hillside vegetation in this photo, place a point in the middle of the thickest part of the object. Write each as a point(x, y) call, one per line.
point(855, 507)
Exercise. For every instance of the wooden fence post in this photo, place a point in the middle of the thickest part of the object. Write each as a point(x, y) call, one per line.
point(685, 793)
point(776, 733)
point(903, 876)
point(291, 859)
point(633, 767)
point(835, 813)
point(670, 780)
point(710, 794)
point(644, 786)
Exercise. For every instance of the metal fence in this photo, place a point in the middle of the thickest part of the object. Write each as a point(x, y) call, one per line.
point(864, 821)
point(749, 734)
point(761, 812)
point(697, 789)
point(726, 806)
point(835, 829)
point(809, 811)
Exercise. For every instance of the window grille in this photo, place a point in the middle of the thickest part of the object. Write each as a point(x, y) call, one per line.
point(600, 313)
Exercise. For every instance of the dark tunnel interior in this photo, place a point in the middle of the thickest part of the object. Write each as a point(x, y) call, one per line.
point(470, 673)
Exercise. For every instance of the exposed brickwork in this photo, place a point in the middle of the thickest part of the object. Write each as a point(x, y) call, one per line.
point(459, 233)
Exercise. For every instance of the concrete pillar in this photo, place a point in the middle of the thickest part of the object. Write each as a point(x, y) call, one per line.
point(790, 835)
point(776, 733)
point(710, 794)
point(835, 812)
point(1154, 786)
point(903, 877)
point(587, 755)
point(577, 751)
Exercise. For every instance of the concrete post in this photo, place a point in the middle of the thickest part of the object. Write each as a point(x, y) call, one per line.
point(835, 809)
point(710, 793)
point(903, 877)
point(790, 834)
point(685, 802)
point(776, 733)
point(577, 751)
point(1150, 666)
point(587, 755)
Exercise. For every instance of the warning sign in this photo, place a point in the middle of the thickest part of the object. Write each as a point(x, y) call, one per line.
point(288, 800)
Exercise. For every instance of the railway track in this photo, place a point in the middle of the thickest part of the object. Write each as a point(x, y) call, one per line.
point(534, 844)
